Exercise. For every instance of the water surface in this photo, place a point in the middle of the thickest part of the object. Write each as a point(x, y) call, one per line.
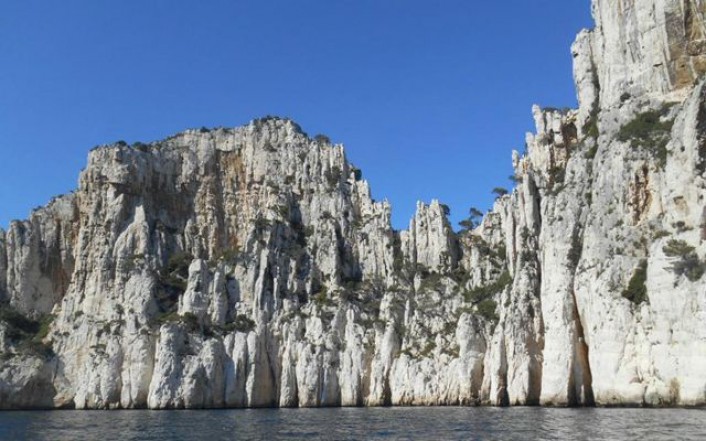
point(447, 423)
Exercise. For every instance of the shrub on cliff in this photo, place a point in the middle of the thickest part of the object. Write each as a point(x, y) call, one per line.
point(320, 298)
point(178, 263)
point(515, 179)
point(650, 132)
point(475, 216)
point(172, 282)
point(241, 323)
point(175, 273)
point(590, 127)
point(483, 292)
point(189, 320)
point(685, 260)
point(644, 127)
point(636, 290)
point(499, 192)
point(227, 255)
point(322, 139)
point(25, 333)
point(333, 176)
point(482, 296)
point(487, 309)
point(431, 281)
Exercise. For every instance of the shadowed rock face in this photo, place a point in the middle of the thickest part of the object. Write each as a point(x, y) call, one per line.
point(250, 267)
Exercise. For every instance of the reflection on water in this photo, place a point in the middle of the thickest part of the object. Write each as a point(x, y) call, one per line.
point(360, 423)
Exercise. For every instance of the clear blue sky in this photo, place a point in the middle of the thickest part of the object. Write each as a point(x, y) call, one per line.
point(429, 97)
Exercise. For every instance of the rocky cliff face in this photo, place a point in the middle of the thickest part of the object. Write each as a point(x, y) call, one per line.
point(250, 267)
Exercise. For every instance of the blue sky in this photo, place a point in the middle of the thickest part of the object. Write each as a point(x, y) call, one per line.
point(429, 97)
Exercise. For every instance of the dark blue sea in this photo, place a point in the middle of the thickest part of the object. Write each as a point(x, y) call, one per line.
point(439, 423)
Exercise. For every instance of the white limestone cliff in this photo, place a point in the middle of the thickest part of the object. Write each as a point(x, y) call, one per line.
point(250, 267)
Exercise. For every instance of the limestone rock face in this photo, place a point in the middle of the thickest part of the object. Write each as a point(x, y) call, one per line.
point(653, 48)
point(250, 267)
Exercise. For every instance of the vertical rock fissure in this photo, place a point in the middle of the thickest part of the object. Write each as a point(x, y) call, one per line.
point(504, 398)
point(534, 398)
point(387, 391)
point(701, 133)
point(583, 380)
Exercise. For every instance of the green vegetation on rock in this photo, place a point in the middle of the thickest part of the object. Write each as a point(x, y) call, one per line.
point(650, 132)
point(636, 290)
point(685, 260)
point(27, 334)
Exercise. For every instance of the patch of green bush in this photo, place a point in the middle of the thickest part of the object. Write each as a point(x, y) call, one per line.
point(166, 317)
point(499, 192)
point(479, 294)
point(430, 281)
point(475, 217)
point(526, 256)
point(227, 255)
point(191, 321)
point(241, 323)
point(322, 139)
point(590, 127)
point(591, 152)
point(685, 260)
point(574, 255)
point(428, 349)
point(644, 127)
point(261, 225)
point(140, 146)
point(18, 324)
point(283, 211)
point(188, 319)
point(487, 308)
point(650, 132)
point(636, 290)
point(557, 176)
point(172, 282)
point(660, 234)
point(333, 176)
point(178, 263)
point(25, 333)
point(321, 297)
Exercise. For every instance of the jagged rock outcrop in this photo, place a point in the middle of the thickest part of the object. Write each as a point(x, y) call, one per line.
point(250, 267)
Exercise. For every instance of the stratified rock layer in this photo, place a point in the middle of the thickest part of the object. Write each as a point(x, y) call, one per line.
point(250, 267)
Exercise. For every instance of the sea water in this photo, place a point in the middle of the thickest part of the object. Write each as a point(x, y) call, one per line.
point(438, 423)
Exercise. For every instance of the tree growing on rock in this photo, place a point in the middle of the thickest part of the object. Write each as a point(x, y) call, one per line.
point(499, 192)
point(475, 216)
